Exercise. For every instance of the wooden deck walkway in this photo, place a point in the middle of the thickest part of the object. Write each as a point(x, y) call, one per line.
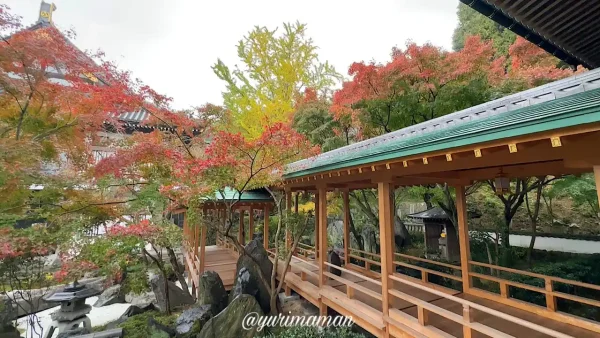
point(357, 293)
point(364, 305)
point(222, 261)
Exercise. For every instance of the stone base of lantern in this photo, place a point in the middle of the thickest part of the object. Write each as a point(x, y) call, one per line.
point(69, 326)
point(66, 321)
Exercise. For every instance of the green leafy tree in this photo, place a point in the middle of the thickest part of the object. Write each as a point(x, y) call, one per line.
point(581, 190)
point(470, 22)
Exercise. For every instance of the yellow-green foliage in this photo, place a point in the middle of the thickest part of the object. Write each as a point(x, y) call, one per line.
point(277, 66)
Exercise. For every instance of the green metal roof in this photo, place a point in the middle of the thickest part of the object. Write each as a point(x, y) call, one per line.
point(256, 195)
point(572, 110)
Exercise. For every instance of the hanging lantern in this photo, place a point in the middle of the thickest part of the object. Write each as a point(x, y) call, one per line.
point(502, 184)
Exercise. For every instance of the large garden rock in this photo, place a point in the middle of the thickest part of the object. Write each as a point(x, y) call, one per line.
point(177, 297)
point(112, 295)
point(334, 259)
point(191, 321)
point(211, 291)
point(228, 323)
point(248, 275)
point(142, 300)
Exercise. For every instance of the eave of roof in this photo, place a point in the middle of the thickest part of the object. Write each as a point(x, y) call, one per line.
point(568, 30)
point(256, 195)
point(565, 103)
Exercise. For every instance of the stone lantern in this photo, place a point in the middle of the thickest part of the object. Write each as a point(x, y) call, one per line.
point(73, 310)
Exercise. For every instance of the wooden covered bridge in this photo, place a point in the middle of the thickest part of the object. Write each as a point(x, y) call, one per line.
point(549, 130)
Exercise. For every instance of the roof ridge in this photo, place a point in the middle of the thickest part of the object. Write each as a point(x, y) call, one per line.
point(551, 91)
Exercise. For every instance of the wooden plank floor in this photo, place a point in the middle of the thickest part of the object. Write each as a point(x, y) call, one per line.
point(221, 261)
point(442, 323)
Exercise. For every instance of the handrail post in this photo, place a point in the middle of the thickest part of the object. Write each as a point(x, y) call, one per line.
point(468, 317)
point(463, 237)
point(384, 190)
point(550, 299)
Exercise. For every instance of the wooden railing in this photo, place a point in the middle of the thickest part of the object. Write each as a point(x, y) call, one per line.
point(426, 272)
point(423, 324)
point(305, 251)
point(351, 286)
point(369, 259)
point(548, 281)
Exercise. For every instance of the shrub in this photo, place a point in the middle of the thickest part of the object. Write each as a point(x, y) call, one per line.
point(317, 332)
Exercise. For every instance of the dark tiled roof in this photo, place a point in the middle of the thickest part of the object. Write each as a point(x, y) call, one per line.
point(433, 213)
point(568, 29)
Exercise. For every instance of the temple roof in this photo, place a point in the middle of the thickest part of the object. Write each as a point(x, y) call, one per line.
point(560, 104)
point(567, 29)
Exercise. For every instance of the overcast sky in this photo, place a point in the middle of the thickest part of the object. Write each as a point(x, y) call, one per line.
point(171, 44)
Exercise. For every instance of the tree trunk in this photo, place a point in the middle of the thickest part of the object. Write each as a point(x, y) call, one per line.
point(505, 230)
point(166, 290)
point(177, 271)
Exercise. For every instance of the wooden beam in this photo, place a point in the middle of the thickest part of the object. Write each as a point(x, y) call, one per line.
point(463, 236)
point(346, 198)
point(266, 228)
point(384, 190)
point(534, 148)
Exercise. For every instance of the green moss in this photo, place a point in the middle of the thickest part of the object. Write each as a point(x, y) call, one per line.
point(137, 326)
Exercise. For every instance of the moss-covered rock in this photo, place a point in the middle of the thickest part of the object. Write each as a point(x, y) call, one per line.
point(211, 291)
point(229, 322)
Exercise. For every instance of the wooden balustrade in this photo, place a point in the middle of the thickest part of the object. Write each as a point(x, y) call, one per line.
point(548, 290)
point(425, 272)
point(466, 320)
point(351, 286)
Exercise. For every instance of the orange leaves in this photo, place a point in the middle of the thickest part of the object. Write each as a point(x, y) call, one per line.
point(256, 162)
point(533, 65)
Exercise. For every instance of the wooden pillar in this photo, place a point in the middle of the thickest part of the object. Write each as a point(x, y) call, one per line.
point(196, 239)
point(266, 228)
point(288, 206)
point(384, 190)
point(597, 178)
point(322, 221)
point(251, 224)
point(463, 236)
point(241, 234)
point(202, 249)
point(346, 198)
point(186, 249)
point(317, 225)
